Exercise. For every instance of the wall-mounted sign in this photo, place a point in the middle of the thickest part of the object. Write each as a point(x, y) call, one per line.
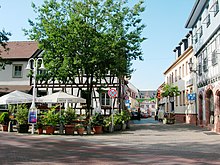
point(191, 96)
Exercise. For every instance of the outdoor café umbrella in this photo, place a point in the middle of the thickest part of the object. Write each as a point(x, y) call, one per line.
point(16, 97)
point(61, 97)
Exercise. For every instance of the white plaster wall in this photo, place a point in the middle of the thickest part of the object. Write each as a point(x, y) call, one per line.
point(6, 77)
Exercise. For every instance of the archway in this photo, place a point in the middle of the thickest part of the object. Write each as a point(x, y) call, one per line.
point(217, 107)
point(200, 109)
point(210, 108)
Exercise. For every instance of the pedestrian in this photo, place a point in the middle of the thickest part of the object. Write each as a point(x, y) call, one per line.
point(139, 114)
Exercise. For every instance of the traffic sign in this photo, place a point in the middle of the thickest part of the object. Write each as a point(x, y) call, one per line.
point(192, 96)
point(112, 93)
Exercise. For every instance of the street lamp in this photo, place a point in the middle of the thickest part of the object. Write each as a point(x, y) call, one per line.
point(33, 109)
point(195, 98)
point(191, 67)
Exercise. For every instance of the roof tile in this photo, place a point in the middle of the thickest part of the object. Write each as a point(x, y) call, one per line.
point(19, 49)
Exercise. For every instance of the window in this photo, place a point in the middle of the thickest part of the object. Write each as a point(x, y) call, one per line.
point(186, 68)
point(175, 75)
point(183, 70)
point(215, 7)
point(214, 58)
point(184, 98)
point(180, 98)
point(176, 100)
point(17, 71)
point(180, 73)
point(105, 98)
point(205, 61)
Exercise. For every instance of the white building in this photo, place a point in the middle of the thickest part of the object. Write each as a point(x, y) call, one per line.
point(204, 21)
point(178, 74)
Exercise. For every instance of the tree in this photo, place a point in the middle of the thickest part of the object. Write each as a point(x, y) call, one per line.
point(90, 37)
point(3, 43)
point(170, 90)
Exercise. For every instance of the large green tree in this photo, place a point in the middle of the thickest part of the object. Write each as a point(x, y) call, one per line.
point(91, 37)
point(3, 47)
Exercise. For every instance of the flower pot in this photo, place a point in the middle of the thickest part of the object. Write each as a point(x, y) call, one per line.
point(23, 128)
point(80, 131)
point(124, 126)
point(40, 131)
point(4, 127)
point(69, 129)
point(50, 130)
point(97, 129)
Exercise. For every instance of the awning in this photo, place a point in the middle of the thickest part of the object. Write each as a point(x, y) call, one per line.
point(10, 88)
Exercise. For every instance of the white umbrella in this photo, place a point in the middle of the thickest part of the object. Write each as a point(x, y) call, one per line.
point(61, 97)
point(16, 97)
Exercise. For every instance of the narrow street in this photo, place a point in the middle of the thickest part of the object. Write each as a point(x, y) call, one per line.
point(146, 142)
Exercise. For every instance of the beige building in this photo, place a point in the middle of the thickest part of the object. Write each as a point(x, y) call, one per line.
point(179, 75)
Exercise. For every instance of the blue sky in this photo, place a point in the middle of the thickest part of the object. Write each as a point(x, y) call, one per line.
point(165, 27)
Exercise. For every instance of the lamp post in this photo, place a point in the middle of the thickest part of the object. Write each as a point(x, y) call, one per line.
point(33, 109)
point(194, 71)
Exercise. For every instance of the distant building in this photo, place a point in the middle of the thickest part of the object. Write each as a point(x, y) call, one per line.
point(132, 93)
point(148, 104)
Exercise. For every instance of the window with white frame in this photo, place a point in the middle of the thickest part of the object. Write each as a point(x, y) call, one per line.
point(17, 71)
point(180, 73)
point(105, 98)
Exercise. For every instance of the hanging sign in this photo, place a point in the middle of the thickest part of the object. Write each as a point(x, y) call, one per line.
point(112, 93)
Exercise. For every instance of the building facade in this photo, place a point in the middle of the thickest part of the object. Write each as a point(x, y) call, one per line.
point(15, 77)
point(204, 21)
point(148, 104)
point(178, 74)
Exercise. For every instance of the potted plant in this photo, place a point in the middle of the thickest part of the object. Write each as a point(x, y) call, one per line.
point(80, 128)
point(4, 120)
point(118, 121)
point(97, 123)
point(69, 117)
point(21, 117)
point(125, 114)
point(39, 125)
point(107, 124)
point(50, 120)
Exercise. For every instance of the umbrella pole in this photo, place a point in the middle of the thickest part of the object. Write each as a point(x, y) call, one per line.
point(61, 124)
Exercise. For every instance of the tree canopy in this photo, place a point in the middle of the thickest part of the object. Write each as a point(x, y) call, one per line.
point(170, 90)
point(3, 43)
point(88, 36)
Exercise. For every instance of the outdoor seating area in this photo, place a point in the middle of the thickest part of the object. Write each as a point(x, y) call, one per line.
point(56, 119)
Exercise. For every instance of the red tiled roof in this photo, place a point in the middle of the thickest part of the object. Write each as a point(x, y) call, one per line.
point(19, 49)
point(11, 88)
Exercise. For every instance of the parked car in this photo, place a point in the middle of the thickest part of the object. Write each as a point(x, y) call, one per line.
point(144, 115)
point(135, 116)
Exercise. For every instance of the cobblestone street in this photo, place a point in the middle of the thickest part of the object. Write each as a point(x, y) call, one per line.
point(146, 143)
